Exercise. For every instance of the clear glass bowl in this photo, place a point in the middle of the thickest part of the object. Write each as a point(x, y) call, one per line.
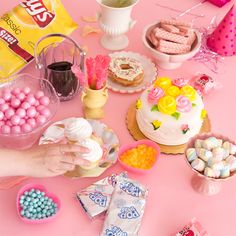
point(26, 140)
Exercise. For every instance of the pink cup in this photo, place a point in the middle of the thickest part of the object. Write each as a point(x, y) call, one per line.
point(127, 147)
point(48, 194)
point(201, 183)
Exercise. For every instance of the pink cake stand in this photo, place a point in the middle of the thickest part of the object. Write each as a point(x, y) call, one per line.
point(201, 183)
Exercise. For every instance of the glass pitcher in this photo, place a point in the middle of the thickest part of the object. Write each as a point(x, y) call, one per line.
point(55, 54)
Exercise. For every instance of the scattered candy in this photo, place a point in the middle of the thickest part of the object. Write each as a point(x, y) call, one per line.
point(90, 19)
point(89, 30)
point(215, 158)
point(204, 84)
point(194, 228)
point(35, 205)
point(141, 157)
point(22, 110)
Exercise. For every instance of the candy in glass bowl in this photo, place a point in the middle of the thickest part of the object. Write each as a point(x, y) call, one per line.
point(27, 105)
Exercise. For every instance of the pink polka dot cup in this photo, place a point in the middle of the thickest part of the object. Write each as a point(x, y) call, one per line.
point(27, 105)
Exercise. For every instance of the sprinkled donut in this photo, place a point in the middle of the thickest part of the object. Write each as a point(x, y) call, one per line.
point(126, 71)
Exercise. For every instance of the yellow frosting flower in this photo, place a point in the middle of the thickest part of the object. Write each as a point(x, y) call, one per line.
point(173, 91)
point(203, 114)
point(156, 124)
point(167, 105)
point(189, 92)
point(163, 82)
point(139, 104)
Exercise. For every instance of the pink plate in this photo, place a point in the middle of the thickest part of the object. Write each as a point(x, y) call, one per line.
point(126, 147)
point(41, 188)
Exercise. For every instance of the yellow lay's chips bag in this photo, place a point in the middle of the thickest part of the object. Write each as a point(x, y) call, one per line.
point(23, 26)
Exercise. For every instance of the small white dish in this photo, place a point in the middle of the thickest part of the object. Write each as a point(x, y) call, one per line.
point(150, 73)
point(168, 61)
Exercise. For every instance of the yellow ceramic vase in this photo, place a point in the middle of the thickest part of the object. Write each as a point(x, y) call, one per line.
point(93, 102)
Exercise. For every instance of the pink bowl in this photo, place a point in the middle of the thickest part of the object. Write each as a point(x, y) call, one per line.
point(41, 188)
point(127, 147)
point(201, 183)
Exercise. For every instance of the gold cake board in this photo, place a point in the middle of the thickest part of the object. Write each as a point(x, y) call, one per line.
point(138, 135)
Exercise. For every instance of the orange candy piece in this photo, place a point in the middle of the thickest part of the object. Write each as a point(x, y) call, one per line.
point(141, 157)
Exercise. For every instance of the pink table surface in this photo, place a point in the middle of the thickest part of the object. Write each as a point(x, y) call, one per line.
point(171, 202)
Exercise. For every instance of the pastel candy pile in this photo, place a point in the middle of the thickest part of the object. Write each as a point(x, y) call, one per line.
point(172, 37)
point(213, 157)
point(35, 205)
point(22, 110)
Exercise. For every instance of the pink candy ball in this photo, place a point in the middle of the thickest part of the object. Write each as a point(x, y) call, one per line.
point(31, 100)
point(2, 101)
point(31, 122)
point(31, 112)
point(16, 91)
point(6, 129)
point(20, 96)
point(22, 121)
point(15, 120)
point(25, 105)
point(39, 94)
point(4, 107)
point(15, 102)
point(26, 90)
point(6, 96)
point(36, 103)
point(45, 112)
point(26, 128)
point(2, 123)
point(9, 123)
point(21, 112)
point(9, 113)
point(1, 115)
point(40, 107)
point(44, 101)
point(16, 129)
point(41, 119)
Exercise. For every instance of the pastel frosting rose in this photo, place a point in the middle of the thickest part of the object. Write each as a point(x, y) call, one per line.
point(183, 104)
point(167, 105)
point(163, 82)
point(155, 94)
point(179, 82)
point(188, 91)
point(173, 91)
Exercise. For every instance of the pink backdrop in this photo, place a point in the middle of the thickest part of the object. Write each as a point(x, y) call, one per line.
point(171, 202)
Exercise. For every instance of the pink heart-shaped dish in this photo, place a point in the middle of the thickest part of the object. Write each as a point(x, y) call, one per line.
point(28, 187)
point(133, 145)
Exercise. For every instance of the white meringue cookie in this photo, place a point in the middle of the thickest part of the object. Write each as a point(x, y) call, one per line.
point(96, 151)
point(78, 129)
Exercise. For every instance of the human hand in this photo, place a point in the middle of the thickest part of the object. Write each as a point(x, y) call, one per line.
point(53, 159)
